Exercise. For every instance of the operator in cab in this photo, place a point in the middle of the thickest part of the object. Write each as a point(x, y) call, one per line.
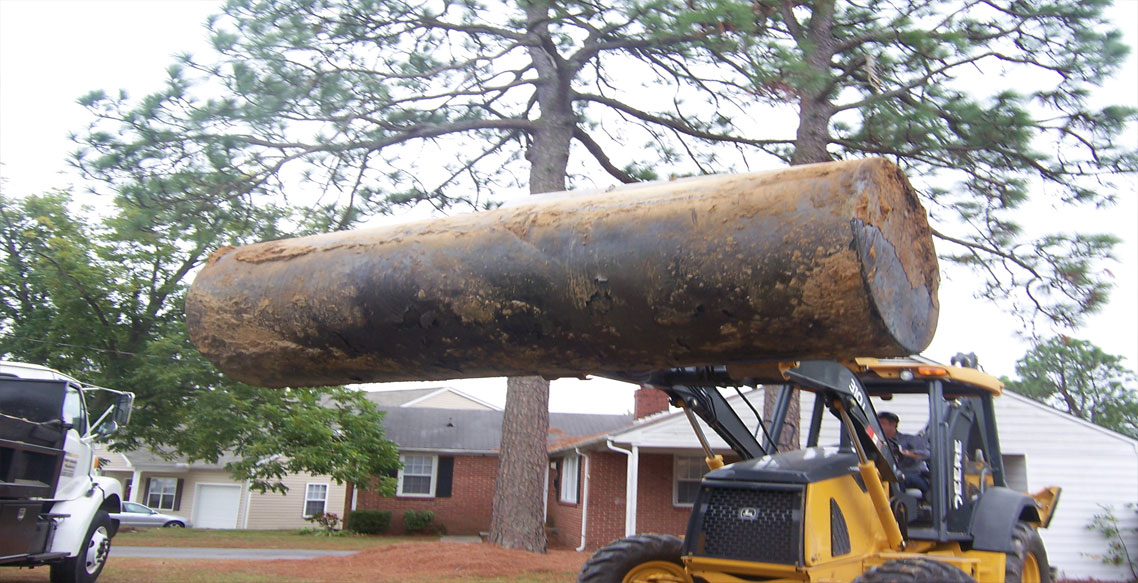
point(912, 452)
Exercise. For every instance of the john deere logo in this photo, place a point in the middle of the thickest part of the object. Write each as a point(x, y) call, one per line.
point(748, 514)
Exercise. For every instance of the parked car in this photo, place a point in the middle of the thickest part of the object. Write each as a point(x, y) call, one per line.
point(134, 514)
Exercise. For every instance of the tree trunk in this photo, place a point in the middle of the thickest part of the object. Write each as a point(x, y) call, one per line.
point(518, 518)
point(810, 147)
point(814, 107)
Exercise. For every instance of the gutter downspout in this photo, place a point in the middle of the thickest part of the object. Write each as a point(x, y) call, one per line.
point(248, 503)
point(135, 479)
point(631, 480)
point(584, 498)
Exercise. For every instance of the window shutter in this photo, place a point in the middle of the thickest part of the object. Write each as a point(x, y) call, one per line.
point(145, 493)
point(557, 477)
point(446, 476)
point(580, 475)
point(178, 494)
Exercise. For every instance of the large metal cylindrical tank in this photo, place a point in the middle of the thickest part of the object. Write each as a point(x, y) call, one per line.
point(823, 261)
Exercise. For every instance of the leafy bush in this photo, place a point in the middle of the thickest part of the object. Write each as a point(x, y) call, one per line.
point(422, 522)
point(368, 521)
point(1119, 553)
point(328, 523)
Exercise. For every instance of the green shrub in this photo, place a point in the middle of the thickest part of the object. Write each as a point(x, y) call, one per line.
point(422, 522)
point(368, 521)
point(327, 521)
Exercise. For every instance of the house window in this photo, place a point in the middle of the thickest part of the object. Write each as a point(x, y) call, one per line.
point(1015, 472)
point(162, 493)
point(315, 499)
point(417, 478)
point(569, 479)
point(688, 473)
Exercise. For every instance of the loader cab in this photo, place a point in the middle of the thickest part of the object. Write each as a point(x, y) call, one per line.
point(953, 406)
point(782, 496)
point(834, 508)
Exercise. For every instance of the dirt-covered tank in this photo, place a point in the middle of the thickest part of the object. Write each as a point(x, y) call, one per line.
point(823, 261)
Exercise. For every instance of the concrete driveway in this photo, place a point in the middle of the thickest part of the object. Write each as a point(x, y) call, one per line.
point(222, 554)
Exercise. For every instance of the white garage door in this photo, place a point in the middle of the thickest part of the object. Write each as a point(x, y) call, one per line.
point(215, 506)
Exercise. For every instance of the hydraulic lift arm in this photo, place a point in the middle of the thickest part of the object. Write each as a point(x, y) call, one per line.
point(696, 390)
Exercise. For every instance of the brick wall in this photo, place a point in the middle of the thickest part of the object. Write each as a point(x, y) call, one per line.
point(655, 511)
point(563, 520)
point(466, 511)
point(606, 499)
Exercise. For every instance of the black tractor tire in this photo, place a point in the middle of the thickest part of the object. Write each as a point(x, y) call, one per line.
point(636, 559)
point(915, 571)
point(92, 557)
point(1028, 562)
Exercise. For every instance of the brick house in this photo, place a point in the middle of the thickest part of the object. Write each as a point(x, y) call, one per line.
point(450, 462)
point(640, 478)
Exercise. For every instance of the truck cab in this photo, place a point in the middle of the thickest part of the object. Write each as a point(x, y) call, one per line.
point(54, 508)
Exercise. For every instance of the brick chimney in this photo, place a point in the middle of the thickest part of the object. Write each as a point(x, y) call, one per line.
point(648, 400)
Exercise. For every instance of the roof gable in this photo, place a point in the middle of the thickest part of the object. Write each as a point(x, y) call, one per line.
point(434, 397)
point(465, 430)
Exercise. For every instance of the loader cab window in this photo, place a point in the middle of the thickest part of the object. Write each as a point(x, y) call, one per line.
point(74, 412)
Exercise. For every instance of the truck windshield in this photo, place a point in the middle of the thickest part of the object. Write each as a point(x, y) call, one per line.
point(38, 401)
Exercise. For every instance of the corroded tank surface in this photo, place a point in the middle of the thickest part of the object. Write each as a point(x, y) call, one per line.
point(824, 261)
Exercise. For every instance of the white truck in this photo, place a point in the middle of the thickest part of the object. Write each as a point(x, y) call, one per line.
point(54, 508)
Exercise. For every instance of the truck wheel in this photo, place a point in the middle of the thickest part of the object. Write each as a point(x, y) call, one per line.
point(637, 559)
point(914, 571)
point(85, 567)
point(1028, 563)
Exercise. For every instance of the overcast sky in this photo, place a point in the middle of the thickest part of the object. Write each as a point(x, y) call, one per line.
point(54, 51)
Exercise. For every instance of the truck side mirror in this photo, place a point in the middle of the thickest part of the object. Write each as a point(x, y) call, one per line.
point(123, 406)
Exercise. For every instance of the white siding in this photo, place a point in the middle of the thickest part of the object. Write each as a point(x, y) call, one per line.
point(1095, 467)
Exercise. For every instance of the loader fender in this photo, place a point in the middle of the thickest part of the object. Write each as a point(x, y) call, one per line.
point(104, 494)
point(995, 517)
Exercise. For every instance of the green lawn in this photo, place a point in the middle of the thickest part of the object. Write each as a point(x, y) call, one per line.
point(254, 539)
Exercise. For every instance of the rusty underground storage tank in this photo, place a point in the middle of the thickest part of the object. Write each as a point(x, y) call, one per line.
point(829, 260)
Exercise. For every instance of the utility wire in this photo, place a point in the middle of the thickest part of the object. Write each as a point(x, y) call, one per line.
point(22, 339)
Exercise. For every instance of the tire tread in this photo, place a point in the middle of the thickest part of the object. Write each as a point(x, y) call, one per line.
point(915, 570)
point(610, 563)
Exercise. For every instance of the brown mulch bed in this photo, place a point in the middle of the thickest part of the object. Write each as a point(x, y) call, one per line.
point(426, 560)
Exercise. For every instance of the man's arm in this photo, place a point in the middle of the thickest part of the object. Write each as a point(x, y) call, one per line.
point(914, 446)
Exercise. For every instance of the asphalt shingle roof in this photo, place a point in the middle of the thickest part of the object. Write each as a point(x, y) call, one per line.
point(480, 431)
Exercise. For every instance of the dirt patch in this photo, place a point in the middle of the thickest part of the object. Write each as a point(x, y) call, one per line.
point(422, 561)
point(412, 562)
